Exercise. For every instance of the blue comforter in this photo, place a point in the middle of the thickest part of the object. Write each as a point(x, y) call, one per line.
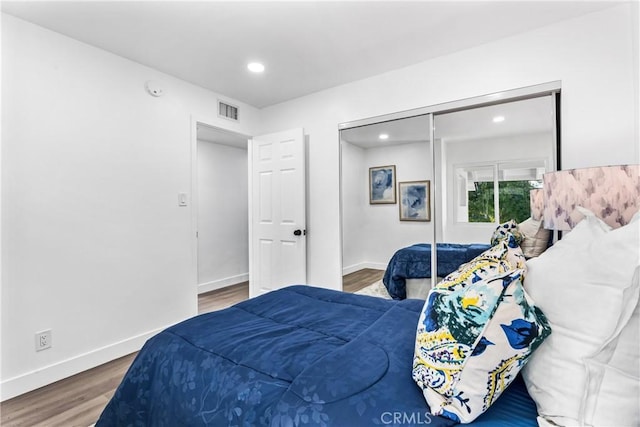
point(300, 356)
point(414, 262)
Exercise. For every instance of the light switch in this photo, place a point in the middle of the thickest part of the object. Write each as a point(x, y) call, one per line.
point(182, 199)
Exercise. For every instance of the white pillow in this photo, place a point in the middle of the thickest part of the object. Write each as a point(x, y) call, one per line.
point(583, 284)
point(617, 402)
point(612, 396)
point(536, 237)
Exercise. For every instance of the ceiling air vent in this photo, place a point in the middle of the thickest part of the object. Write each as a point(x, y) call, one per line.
point(227, 111)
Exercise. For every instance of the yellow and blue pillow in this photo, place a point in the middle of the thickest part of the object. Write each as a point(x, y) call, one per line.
point(476, 331)
point(505, 230)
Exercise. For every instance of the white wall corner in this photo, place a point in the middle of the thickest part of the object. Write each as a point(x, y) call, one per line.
point(360, 266)
point(49, 374)
point(222, 283)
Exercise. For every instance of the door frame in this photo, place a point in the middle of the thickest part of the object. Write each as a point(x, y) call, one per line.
point(193, 199)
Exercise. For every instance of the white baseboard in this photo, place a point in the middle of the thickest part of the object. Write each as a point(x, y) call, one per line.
point(357, 267)
point(46, 375)
point(222, 283)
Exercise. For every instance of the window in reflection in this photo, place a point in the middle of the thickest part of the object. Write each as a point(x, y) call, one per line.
point(476, 194)
point(496, 192)
point(486, 167)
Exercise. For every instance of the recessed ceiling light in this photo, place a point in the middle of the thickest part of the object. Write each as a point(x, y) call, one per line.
point(498, 119)
point(255, 67)
point(383, 136)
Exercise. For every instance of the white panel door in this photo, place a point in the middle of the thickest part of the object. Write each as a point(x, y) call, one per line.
point(277, 255)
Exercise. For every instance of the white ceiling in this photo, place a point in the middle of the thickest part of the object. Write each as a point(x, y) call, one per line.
point(403, 131)
point(307, 46)
point(529, 116)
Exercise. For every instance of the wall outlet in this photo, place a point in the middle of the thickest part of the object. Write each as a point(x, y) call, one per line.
point(43, 340)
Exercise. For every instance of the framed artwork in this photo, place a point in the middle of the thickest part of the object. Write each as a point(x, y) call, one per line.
point(414, 201)
point(382, 184)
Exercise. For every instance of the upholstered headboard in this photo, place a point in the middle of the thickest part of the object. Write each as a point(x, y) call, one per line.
point(612, 193)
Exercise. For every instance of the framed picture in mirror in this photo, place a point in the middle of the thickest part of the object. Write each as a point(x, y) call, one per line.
point(414, 201)
point(382, 184)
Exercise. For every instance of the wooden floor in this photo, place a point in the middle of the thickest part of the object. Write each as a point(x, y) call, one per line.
point(79, 400)
point(355, 281)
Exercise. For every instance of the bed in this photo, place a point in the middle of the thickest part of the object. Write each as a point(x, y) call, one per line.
point(306, 356)
point(414, 262)
point(297, 356)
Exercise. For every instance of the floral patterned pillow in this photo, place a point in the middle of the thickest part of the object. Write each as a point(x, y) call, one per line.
point(504, 256)
point(476, 331)
point(506, 229)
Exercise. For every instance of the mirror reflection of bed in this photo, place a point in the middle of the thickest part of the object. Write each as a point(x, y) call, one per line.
point(484, 162)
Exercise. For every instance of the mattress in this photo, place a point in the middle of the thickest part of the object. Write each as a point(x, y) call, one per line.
point(296, 356)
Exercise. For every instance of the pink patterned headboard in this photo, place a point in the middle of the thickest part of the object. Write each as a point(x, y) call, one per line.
point(612, 193)
point(536, 202)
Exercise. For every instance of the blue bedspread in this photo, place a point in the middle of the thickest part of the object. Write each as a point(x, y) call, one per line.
point(300, 356)
point(414, 262)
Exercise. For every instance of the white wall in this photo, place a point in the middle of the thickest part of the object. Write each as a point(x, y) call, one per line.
point(379, 231)
point(223, 225)
point(593, 56)
point(94, 245)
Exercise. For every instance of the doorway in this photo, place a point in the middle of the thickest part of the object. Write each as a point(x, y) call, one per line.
point(221, 208)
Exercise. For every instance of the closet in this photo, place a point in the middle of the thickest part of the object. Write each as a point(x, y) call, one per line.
point(478, 156)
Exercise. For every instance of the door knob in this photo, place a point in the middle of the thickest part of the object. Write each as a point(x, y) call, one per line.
point(297, 232)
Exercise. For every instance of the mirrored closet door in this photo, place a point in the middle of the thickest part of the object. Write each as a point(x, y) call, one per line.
point(442, 176)
point(386, 180)
point(489, 158)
